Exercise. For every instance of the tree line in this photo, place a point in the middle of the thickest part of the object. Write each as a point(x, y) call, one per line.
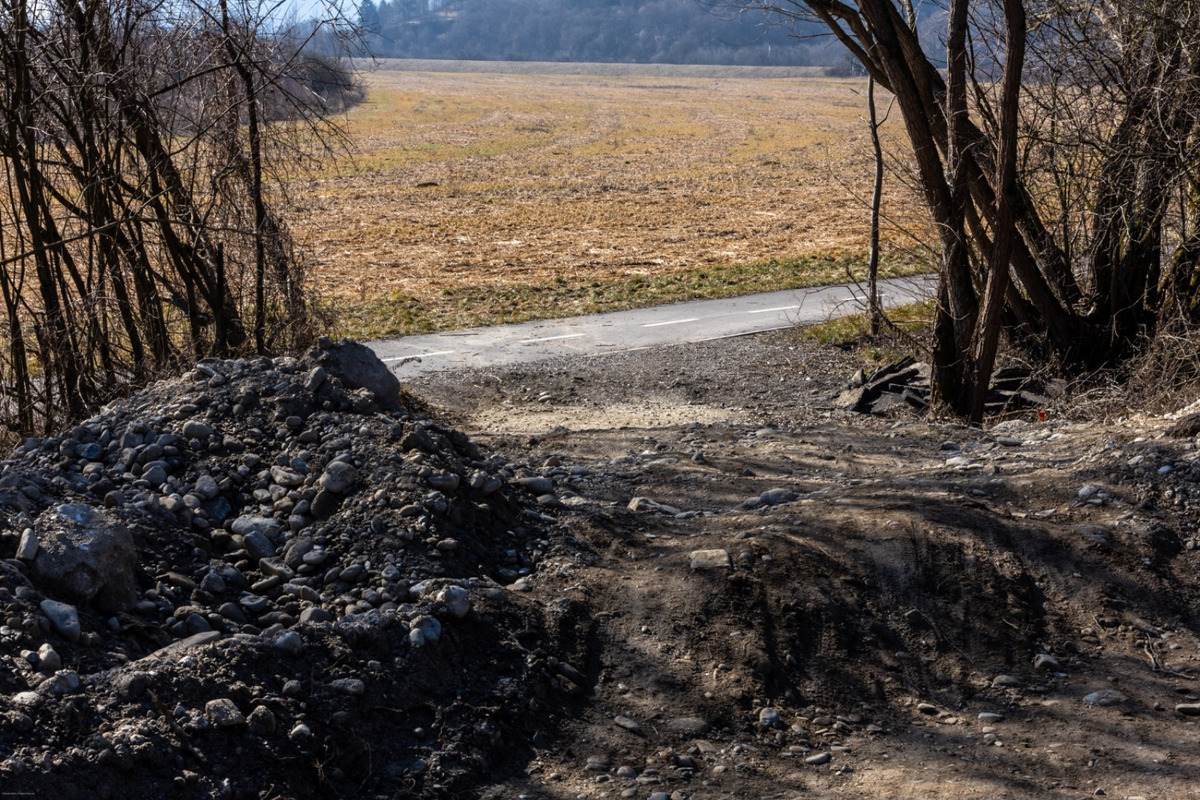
point(631, 31)
point(139, 150)
point(1057, 147)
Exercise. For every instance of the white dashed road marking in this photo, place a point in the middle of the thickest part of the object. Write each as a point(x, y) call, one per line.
point(672, 322)
point(552, 338)
point(419, 355)
point(772, 310)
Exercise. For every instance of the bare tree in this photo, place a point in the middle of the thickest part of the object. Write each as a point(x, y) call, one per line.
point(138, 228)
point(1051, 188)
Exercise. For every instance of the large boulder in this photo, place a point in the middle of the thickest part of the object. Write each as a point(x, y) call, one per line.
point(357, 367)
point(85, 556)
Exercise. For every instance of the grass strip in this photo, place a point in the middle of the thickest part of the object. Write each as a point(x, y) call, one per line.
point(402, 314)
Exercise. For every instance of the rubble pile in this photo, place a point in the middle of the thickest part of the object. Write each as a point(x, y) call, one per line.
point(267, 576)
point(904, 384)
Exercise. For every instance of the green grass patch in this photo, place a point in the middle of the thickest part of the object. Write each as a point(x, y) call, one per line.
point(851, 332)
point(401, 314)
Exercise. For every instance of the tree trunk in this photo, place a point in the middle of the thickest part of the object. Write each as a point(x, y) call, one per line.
point(988, 335)
point(874, 313)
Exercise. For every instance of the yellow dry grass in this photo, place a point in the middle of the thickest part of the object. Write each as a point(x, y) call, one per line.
point(489, 179)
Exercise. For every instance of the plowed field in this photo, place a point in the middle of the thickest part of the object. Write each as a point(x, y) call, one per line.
point(490, 179)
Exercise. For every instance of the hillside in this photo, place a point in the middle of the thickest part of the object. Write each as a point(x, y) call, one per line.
point(625, 31)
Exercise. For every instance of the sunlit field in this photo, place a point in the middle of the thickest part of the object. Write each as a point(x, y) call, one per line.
point(479, 197)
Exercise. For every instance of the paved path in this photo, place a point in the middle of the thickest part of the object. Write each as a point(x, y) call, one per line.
point(637, 329)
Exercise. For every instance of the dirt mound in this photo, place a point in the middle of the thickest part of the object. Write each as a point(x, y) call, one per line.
point(266, 577)
point(689, 577)
point(791, 601)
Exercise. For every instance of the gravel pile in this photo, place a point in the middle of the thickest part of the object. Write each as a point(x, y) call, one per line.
point(268, 576)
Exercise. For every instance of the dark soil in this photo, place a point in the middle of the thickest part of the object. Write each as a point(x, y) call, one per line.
point(721, 587)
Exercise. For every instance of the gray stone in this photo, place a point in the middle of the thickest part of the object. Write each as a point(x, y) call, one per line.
point(206, 487)
point(988, 717)
point(262, 722)
point(196, 623)
point(349, 686)
point(1189, 709)
point(710, 559)
point(213, 583)
point(646, 504)
point(316, 379)
point(357, 368)
point(535, 484)
point(430, 628)
point(28, 547)
point(257, 546)
point(224, 713)
point(254, 603)
point(315, 615)
point(63, 682)
point(275, 567)
point(1105, 697)
point(195, 429)
point(287, 478)
point(48, 659)
point(774, 497)
point(1045, 661)
point(817, 759)
point(63, 617)
point(248, 523)
point(768, 718)
point(457, 601)
point(1007, 681)
point(290, 644)
point(627, 723)
point(338, 477)
point(155, 474)
point(86, 556)
point(324, 504)
point(444, 481)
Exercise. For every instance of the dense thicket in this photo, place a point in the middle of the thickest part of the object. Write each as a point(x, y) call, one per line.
point(137, 144)
point(1059, 155)
point(637, 31)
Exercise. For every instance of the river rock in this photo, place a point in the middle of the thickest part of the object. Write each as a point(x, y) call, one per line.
point(457, 601)
point(224, 713)
point(63, 617)
point(1105, 697)
point(28, 546)
point(357, 367)
point(338, 477)
point(86, 556)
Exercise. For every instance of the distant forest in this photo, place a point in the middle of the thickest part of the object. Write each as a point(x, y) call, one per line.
point(627, 31)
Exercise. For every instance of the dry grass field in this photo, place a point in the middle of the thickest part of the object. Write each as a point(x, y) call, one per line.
point(505, 195)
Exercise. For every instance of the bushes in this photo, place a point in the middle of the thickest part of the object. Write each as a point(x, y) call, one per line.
point(138, 228)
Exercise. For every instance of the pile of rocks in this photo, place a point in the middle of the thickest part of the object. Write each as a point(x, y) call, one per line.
point(266, 559)
point(905, 384)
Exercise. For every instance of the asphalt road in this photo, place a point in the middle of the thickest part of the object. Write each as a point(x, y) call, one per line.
point(637, 329)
